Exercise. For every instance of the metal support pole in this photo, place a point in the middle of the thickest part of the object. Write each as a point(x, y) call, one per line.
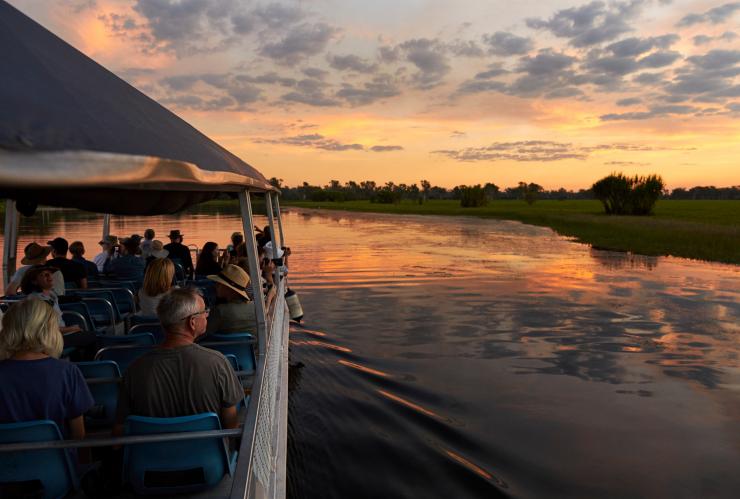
point(106, 225)
point(245, 204)
point(273, 236)
point(11, 241)
point(279, 221)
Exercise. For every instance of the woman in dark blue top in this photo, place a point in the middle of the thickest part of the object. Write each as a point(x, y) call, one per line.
point(35, 383)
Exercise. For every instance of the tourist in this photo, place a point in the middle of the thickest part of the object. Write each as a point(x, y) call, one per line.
point(236, 239)
point(209, 261)
point(157, 251)
point(157, 281)
point(234, 312)
point(146, 243)
point(77, 249)
point(180, 378)
point(110, 251)
point(73, 272)
point(36, 384)
point(268, 281)
point(127, 267)
point(179, 253)
point(34, 254)
point(38, 283)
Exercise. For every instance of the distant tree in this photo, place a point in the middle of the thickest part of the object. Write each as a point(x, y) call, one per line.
point(472, 196)
point(622, 195)
point(276, 182)
point(529, 192)
point(426, 187)
point(491, 190)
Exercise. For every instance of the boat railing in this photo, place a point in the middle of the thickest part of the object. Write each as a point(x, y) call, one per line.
point(257, 471)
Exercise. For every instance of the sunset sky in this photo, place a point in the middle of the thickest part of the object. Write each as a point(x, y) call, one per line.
point(555, 92)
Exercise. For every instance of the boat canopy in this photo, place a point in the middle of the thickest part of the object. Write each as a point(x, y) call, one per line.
point(73, 134)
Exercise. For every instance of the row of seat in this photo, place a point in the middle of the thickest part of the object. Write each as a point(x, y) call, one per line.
point(165, 467)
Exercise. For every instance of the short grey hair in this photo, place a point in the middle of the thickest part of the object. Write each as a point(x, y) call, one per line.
point(176, 305)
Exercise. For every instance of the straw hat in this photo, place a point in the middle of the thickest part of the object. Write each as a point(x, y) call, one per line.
point(158, 250)
point(233, 277)
point(35, 254)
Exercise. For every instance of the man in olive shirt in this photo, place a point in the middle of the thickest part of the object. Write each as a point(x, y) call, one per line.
point(180, 378)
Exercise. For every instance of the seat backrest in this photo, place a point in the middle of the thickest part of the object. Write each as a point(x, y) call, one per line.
point(105, 394)
point(123, 355)
point(52, 467)
point(81, 308)
point(108, 340)
point(102, 294)
point(237, 344)
point(123, 297)
point(102, 310)
point(155, 328)
point(175, 467)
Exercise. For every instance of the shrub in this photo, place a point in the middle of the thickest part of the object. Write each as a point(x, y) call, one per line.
point(472, 196)
point(386, 196)
point(332, 196)
point(622, 195)
point(530, 192)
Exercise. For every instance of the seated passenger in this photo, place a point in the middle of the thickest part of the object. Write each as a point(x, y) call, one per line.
point(157, 251)
point(146, 244)
point(236, 240)
point(77, 249)
point(109, 245)
point(234, 312)
point(268, 281)
point(73, 272)
point(34, 254)
point(179, 253)
point(127, 267)
point(38, 284)
point(157, 282)
point(35, 383)
point(209, 261)
point(180, 378)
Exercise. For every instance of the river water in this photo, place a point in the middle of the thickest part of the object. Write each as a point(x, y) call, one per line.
point(461, 357)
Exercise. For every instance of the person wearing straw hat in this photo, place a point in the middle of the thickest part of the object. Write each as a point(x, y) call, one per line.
point(33, 254)
point(234, 311)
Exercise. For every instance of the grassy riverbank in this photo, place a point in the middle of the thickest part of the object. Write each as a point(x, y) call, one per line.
point(705, 230)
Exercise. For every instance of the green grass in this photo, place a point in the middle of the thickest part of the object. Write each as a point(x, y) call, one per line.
point(704, 230)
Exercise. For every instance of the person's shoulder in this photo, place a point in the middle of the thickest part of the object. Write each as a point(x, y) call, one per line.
point(208, 354)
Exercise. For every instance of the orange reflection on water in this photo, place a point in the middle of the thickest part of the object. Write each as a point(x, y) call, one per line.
point(310, 331)
point(363, 368)
point(408, 404)
point(468, 464)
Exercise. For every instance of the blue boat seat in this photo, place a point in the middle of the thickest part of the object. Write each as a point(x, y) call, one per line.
point(105, 394)
point(155, 328)
point(238, 344)
point(109, 340)
point(123, 355)
point(180, 466)
point(51, 467)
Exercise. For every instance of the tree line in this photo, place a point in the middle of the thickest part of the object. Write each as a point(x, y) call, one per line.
point(391, 192)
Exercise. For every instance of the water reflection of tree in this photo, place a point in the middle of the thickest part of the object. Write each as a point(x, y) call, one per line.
point(617, 260)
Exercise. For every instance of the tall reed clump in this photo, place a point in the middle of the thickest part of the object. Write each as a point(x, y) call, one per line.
point(622, 195)
point(472, 196)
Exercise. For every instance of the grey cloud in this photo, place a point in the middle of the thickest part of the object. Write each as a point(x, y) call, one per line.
point(199, 104)
point(653, 112)
point(636, 46)
point(389, 54)
point(702, 39)
point(351, 62)
point(271, 78)
point(612, 65)
point(507, 44)
point(276, 15)
point(310, 92)
point(716, 15)
point(716, 59)
point(386, 148)
point(79, 6)
point(380, 87)
point(564, 92)
point(480, 86)
point(429, 58)
point(491, 73)
point(659, 59)
point(300, 43)
point(545, 62)
point(316, 141)
point(630, 101)
point(590, 24)
point(729, 36)
point(734, 107)
point(316, 73)
point(467, 48)
point(648, 78)
point(625, 163)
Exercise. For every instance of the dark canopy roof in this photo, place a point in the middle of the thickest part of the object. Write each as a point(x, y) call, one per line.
point(74, 134)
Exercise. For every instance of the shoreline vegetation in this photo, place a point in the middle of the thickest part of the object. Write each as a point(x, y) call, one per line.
point(701, 230)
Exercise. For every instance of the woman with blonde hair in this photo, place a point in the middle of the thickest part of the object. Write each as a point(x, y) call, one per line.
point(36, 384)
point(157, 281)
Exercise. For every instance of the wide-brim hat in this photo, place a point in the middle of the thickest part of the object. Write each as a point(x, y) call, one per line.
point(163, 253)
point(233, 277)
point(112, 240)
point(174, 234)
point(35, 254)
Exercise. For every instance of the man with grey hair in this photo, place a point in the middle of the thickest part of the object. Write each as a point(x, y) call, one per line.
point(179, 377)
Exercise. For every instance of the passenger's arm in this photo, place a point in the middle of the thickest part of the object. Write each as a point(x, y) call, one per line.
point(83, 283)
point(12, 288)
point(77, 428)
point(228, 418)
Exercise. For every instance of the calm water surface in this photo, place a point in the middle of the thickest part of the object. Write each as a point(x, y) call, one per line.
point(455, 357)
